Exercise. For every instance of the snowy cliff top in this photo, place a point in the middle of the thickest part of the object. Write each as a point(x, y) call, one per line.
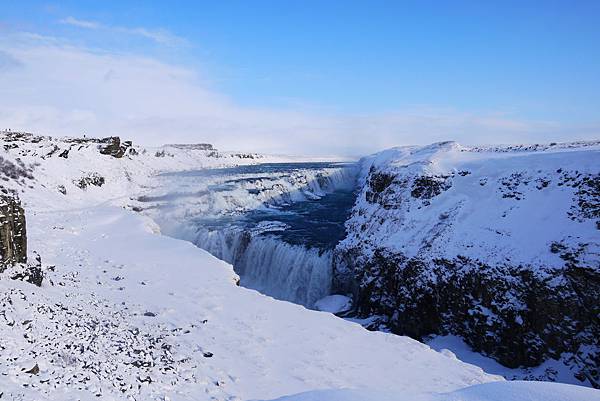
point(502, 204)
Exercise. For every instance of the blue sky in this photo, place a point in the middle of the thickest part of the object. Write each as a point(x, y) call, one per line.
point(533, 68)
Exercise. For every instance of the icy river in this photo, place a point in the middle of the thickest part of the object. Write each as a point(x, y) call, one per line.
point(276, 223)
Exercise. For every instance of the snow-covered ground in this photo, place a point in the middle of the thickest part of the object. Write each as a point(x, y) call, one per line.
point(123, 304)
point(477, 201)
point(455, 346)
point(497, 391)
point(126, 313)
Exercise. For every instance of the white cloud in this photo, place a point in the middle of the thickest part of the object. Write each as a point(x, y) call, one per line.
point(58, 89)
point(159, 36)
point(80, 23)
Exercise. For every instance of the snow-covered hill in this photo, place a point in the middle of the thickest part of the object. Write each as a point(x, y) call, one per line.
point(499, 245)
point(126, 313)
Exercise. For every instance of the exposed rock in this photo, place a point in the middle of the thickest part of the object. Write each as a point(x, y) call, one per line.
point(427, 187)
point(378, 182)
point(15, 136)
point(587, 197)
point(13, 243)
point(192, 146)
point(90, 179)
point(112, 146)
point(15, 171)
point(518, 316)
point(29, 272)
point(33, 371)
point(239, 155)
point(13, 236)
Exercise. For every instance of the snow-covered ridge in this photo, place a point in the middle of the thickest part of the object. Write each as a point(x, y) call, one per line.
point(537, 147)
point(68, 165)
point(414, 186)
point(498, 245)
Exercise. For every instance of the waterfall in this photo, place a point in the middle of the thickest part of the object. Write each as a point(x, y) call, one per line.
point(202, 207)
point(265, 263)
point(333, 179)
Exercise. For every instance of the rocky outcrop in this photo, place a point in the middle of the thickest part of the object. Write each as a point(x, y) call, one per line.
point(500, 250)
point(112, 146)
point(13, 243)
point(13, 236)
point(192, 146)
point(518, 315)
point(94, 179)
point(17, 171)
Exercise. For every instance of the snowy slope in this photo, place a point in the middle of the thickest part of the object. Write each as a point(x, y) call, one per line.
point(498, 391)
point(111, 269)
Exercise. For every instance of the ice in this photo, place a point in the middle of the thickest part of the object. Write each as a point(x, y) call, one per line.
point(334, 304)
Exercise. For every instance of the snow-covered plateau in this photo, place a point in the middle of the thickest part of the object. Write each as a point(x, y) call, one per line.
point(105, 307)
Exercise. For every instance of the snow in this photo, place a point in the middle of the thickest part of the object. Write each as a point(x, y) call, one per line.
point(334, 304)
point(262, 348)
point(455, 347)
point(499, 391)
point(127, 313)
point(477, 216)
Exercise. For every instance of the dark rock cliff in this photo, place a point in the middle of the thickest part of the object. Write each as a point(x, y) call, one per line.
point(517, 315)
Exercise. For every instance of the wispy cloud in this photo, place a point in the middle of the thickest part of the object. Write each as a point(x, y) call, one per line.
point(153, 102)
point(80, 23)
point(159, 36)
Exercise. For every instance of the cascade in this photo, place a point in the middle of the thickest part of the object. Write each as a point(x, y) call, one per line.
point(276, 224)
point(290, 272)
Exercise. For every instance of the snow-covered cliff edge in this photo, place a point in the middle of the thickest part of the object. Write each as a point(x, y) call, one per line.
point(498, 245)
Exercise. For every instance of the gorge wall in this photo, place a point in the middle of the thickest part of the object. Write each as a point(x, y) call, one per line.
point(499, 246)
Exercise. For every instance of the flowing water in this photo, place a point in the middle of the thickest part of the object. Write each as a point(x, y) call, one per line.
point(277, 224)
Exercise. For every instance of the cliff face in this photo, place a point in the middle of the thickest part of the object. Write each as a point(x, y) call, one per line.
point(500, 246)
point(13, 237)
